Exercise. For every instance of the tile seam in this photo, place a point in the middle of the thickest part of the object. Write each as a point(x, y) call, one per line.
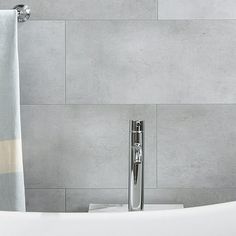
point(161, 188)
point(65, 61)
point(156, 149)
point(129, 104)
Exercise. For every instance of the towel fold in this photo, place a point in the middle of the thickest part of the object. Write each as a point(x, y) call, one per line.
point(12, 194)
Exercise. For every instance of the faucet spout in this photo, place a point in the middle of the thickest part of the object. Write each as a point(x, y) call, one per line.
point(136, 166)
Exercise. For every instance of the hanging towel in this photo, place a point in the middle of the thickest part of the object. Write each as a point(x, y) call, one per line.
point(12, 194)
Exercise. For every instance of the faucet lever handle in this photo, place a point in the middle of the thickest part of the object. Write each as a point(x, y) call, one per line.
point(138, 154)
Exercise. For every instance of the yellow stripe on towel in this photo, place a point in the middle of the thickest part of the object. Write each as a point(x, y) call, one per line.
point(11, 156)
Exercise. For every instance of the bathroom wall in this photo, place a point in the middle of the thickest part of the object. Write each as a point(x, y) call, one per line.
point(89, 66)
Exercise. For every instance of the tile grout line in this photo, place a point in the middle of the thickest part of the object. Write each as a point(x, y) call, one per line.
point(129, 104)
point(157, 5)
point(162, 188)
point(156, 151)
point(53, 188)
point(118, 20)
point(65, 200)
point(137, 20)
point(65, 61)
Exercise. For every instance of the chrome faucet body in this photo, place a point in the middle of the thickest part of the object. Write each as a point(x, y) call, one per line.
point(136, 166)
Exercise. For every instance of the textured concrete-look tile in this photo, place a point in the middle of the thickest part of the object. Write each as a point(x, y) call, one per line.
point(87, 9)
point(84, 146)
point(45, 200)
point(79, 199)
point(190, 197)
point(196, 146)
point(196, 9)
point(151, 62)
point(42, 62)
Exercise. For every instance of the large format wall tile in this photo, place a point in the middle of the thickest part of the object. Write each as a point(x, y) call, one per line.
point(79, 199)
point(84, 146)
point(196, 9)
point(42, 62)
point(196, 146)
point(151, 62)
point(45, 200)
point(87, 9)
point(190, 197)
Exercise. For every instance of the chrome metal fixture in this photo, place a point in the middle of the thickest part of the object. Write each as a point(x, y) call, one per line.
point(136, 166)
point(23, 12)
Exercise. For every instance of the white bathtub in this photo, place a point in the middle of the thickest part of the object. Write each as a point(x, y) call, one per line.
point(213, 220)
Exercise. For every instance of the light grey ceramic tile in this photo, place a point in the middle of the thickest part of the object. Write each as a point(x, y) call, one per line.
point(45, 200)
point(88, 9)
point(42, 62)
point(196, 146)
point(190, 197)
point(84, 146)
point(151, 62)
point(196, 9)
point(79, 199)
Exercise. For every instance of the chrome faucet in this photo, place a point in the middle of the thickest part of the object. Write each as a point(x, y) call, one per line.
point(136, 166)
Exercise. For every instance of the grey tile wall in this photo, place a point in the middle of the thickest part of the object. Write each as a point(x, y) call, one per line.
point(116, 52)
point(88, 155)
point(45, 200)
point(83, 146)
point(84, 9)
point(151, 62)
point(79, 199)
point(196, 9)
point(42, 62)
point(53, 200)
point(196, 146)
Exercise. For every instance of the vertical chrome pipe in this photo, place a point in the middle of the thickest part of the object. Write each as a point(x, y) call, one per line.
point(136, 166)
